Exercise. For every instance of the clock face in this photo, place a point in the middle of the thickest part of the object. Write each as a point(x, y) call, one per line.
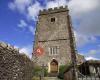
point(39, 51)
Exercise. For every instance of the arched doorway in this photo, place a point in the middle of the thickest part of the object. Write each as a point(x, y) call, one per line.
point(54, 66)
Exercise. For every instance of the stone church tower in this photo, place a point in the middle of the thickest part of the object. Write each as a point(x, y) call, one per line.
point(52, 39)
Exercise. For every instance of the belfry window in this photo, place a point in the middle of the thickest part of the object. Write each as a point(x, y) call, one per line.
point(53, 19)
point(54, 50)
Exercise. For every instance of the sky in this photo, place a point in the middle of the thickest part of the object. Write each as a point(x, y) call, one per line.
point(18, 22)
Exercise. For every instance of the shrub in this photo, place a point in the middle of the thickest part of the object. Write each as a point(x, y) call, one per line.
point(39, 71)
point(62, 69)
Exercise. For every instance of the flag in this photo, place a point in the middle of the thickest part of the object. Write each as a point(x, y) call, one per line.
point(39, 51)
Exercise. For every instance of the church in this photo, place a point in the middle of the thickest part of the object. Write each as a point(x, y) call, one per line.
point(53, 36)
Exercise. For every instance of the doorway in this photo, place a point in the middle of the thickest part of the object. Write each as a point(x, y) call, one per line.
point(54, 66)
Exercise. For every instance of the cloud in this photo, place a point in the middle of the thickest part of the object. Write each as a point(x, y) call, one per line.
point(11, 6)
point(82, 40)
point(33, 10)
point(19, 5)
point(93, 54)
point(87, 13)
point(22, 24)
point(56, 3)
point(86, 20)
point(32, 30)
point(79, 7)
point(91, 58)
point(16, 47)
point(26, 50)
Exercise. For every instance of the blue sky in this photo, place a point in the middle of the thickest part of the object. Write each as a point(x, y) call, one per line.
point(18, 21)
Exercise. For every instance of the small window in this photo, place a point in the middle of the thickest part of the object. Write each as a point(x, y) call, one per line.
point(52, 19)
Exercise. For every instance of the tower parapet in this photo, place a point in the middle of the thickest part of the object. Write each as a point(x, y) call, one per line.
point(53, 10)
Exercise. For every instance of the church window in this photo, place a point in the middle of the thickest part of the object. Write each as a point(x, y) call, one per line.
point(54, 50)
point(52, 19)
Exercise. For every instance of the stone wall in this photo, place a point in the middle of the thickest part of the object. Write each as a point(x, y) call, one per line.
point(47, 30)
point(68, 75)
point(13, 65)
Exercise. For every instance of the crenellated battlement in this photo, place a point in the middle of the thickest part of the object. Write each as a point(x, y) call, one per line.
point(8, 47)
point(53, 10)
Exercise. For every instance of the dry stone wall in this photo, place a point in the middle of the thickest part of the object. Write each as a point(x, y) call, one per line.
point(13, 65)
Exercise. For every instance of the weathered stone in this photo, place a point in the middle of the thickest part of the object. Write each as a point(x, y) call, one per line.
point(3, 44)
point(54, 35)
point(13, 65)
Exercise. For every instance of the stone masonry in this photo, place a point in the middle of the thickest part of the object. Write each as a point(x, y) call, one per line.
point(13, 65)
point(53, 30)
